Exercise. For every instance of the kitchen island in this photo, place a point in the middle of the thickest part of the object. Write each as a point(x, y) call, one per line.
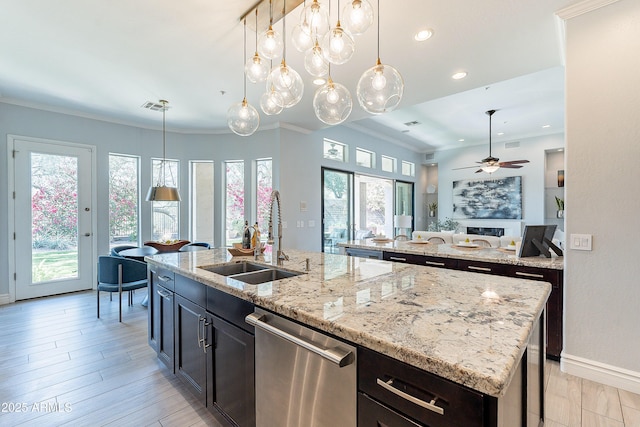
point(480, 332)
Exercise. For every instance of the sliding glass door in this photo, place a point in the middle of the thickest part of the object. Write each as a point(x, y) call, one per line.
point(404, 218)
point(337, 208)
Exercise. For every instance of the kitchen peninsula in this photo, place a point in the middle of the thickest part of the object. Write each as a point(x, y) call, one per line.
point(497, 261)
point(472, 341)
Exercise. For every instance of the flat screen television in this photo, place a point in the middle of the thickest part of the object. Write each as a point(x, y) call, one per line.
point(537, 240)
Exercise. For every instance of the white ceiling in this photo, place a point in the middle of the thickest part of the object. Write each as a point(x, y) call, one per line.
point(105, 59)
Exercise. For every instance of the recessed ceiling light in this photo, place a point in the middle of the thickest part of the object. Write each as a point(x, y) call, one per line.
point(560, 149)
point(405, 131)
point(546, 126)
point(500, 133)
point(319, 81)
point(412, 123)
point(459, 75)
point(423, 35)
point(461, 140)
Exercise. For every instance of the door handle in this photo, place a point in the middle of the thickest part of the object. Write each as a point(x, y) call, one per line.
point(388, 385)
point(87, 234)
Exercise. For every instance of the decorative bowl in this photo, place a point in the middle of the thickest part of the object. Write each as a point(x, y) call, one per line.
point(238, 250)
point(173, 246)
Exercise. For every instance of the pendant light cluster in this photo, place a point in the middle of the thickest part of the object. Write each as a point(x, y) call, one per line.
point(379, 89)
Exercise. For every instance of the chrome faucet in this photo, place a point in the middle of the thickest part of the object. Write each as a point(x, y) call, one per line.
point(280, 255)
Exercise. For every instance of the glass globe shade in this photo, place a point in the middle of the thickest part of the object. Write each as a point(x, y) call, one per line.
point(288, 83)
point(315, 63)
point(242, 118)
point(257, 70)
point(302, 40)
point(357, 16)
point(338, 45)
point(271, 102)
point(380, 89)
point(314, 19)
point(332, 103)
point(270, 44)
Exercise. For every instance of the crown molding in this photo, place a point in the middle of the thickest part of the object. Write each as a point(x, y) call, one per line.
point(582, 8)
point(367, 131)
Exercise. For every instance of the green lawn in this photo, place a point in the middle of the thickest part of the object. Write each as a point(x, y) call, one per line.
point(50, 265)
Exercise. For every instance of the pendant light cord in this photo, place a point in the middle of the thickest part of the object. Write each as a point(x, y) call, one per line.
point(284, 30)
point(378, 30)
point(256, 29)
point(490, 114)
point(244, 55)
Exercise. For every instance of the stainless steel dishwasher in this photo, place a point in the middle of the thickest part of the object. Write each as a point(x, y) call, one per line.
point(303, 377)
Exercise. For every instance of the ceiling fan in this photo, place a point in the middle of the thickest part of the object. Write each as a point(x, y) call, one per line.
point(491, 164)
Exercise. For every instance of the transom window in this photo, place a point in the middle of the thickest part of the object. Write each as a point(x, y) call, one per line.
point(334, 150)
point(365, 158)
point(408, 168)
point(388, 164)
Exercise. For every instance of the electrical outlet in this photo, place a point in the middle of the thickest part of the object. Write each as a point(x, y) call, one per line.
point(580, 242)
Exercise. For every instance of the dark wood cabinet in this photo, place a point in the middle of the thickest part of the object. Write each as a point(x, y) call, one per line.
point(161, 311)
point(429, 261)
point(231, 382)
point(191, 343)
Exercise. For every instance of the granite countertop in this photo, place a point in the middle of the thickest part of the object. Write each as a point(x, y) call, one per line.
point(469, 328)
point(445, 250)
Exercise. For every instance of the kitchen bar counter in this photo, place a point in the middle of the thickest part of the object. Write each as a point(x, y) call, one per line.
point(445, 250)
point(469, 328)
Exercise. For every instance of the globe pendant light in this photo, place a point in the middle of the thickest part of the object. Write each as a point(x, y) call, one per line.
point(315, 19)
point(380, 88)
point(301, 36)
point(270, 44)
point(357, 16)
point(332, 103)
point(338, 45)
point(242, 118)
point(285, 79)
point(315, 62)
point(256, 68)
point(271, 102)
point(162, 193)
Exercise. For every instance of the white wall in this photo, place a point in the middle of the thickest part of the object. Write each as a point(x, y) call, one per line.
point(533, 173)
point(602, 287)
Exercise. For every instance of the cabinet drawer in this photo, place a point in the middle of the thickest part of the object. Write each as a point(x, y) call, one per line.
point(374, 414)
point(546, 275)
point(190, 289)
point(364, 253)
point(429, 261)
point(230, 308)
point(162, 276)
point(482, 267)
point(452, 404)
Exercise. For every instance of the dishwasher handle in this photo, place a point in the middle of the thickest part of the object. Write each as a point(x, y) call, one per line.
point(335, 355)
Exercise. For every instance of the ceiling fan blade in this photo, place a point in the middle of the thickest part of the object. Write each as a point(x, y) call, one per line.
point(514, 162)
point(479, 170)
point(508, 166)
point(466, 167)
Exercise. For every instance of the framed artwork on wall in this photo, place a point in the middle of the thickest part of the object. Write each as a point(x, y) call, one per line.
point(491, 198)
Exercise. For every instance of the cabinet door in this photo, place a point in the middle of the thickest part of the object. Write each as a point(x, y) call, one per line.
point(191, 342)
point(157, 276)
point(232, 380)
point(164, 312)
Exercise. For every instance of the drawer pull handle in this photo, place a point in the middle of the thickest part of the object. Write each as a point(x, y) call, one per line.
point(163, 294)
point(522, 273)
point(394, 258)
point(437, 264)
point(473, 267)
point(388, 385)
point(164, 278)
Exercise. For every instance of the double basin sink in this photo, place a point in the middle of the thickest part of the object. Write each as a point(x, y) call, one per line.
point(251, 273)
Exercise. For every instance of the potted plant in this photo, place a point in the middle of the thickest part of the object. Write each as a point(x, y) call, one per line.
point(560, 205)
point(432, 209)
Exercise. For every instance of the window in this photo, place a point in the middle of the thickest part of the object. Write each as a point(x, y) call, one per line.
point(201, 197)
point(165, 219)
point(234, 202)
point(373, 198)
point(124, 199)
point(365, 158)
point(264, 186)
point(408, 168)
point(334, 150)
point(388, 164)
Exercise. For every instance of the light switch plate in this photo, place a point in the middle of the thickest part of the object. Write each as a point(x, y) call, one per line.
point(580, 242)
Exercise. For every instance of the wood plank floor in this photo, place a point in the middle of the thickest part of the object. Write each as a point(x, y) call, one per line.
point(60, 365)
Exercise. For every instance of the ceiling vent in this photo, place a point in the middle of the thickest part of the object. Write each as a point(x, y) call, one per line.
point(153, 106)
point(412, 123)
point(430, 156)
point(515, 144)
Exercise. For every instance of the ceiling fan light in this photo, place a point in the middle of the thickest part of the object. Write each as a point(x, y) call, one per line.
point(380, 89)
point(357, 16)
point(490, 168)
point(242, 118)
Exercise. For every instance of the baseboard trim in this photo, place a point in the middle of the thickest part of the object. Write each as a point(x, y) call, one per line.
point(5, 299)
point(601, 372)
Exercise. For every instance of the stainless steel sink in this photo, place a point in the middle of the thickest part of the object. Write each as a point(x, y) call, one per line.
point(236, 268)
point(251, 273)
point(269, 275)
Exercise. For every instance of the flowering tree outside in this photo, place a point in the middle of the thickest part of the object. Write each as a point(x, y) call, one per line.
point(264, 176)
point(123, 199)
point(234, 202)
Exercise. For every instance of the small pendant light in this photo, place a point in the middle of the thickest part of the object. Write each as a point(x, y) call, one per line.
point(162, 193)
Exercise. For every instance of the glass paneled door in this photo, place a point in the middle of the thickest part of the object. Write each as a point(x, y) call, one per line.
point(53, 218)
point(337, 209)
